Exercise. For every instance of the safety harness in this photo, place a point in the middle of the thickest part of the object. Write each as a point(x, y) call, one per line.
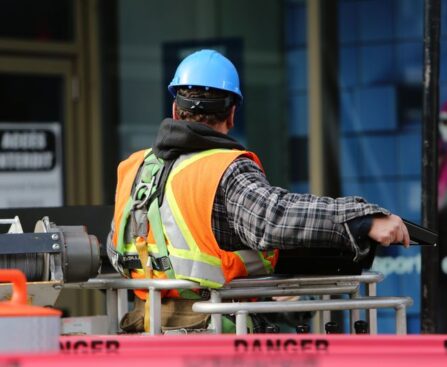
point(143, 213)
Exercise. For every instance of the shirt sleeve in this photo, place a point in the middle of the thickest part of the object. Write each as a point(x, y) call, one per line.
point(360, 227)
point(267, 217)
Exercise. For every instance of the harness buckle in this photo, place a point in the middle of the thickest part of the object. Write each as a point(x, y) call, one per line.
point(140, 203)
point(130, 261)
point(161, 263)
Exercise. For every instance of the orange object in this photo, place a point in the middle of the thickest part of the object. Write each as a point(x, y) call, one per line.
point(194, 188)
point(17, 306)
point(127, 170)
point(25, 328)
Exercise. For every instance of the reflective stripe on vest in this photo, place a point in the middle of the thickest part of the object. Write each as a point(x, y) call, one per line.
point(254, 262)
point(127, 170)
point(193, 250)
point(186, 220)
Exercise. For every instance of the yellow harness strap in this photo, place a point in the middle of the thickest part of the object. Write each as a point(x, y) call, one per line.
point(141, 245)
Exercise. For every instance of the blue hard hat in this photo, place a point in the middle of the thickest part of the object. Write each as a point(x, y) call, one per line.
point(206, 68)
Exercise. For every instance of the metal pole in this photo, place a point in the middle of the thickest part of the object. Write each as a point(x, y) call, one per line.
point(216, 318)
point(155, 311)
point(401, 320)
point(371, 315)
point(323, 98)
point(325, 315)
point(429, 255)
point(316, 149)
point(112, 310)
point(241, 322)
point(122, 303)
point(241, 309)
point(354, 315)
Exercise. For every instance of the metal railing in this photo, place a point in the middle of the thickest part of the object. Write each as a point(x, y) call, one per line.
point(277, 285)
point(325, 286)
point(116, 296)
point(242, 309)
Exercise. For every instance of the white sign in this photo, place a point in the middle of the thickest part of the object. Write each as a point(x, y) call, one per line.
point(30, 165)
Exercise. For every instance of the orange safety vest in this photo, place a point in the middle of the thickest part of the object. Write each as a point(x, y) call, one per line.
point(186, 214)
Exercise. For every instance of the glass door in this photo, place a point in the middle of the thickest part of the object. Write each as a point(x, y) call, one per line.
point(36, 129)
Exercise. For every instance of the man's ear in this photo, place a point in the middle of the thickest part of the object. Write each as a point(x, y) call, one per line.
point(174, 112)
point(230, 119)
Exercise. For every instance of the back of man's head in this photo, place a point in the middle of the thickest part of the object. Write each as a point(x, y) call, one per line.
point(205, 87)
point(189, 102)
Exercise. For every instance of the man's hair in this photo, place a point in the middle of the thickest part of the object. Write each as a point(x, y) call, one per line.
point(210, 119)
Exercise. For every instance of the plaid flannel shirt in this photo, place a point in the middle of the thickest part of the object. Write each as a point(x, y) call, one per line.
point(249, 212)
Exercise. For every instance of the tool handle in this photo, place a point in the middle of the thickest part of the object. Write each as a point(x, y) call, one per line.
point(18, 280)
point(421, 235)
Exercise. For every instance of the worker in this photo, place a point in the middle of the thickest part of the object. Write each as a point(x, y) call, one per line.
point(212, 214)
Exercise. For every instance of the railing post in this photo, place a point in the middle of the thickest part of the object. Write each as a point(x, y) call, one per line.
point(241, 322)
point(216, 318)
point(155, 311)
point(112, 310)
point(371, 314)
point(401, 320)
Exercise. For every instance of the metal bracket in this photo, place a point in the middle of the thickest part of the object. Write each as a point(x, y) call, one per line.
point(29, 243)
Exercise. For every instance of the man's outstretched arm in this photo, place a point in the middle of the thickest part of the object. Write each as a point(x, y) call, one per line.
point(266, 217)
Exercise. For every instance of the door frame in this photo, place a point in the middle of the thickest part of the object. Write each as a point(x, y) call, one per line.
point(78, 61)
point(62, 68)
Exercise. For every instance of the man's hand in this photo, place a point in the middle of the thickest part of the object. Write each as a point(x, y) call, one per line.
point(389, 229)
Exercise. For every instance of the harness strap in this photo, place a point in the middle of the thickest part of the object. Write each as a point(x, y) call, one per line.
point(146, 211)
point(141, 245)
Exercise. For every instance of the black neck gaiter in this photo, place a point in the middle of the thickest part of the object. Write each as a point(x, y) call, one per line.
point(177, 137)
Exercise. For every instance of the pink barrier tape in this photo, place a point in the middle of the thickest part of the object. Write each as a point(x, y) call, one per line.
point(265, 350)
point(231, 345)
point(172, 358)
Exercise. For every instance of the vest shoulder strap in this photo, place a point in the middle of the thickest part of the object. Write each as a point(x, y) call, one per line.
point(145, 210)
